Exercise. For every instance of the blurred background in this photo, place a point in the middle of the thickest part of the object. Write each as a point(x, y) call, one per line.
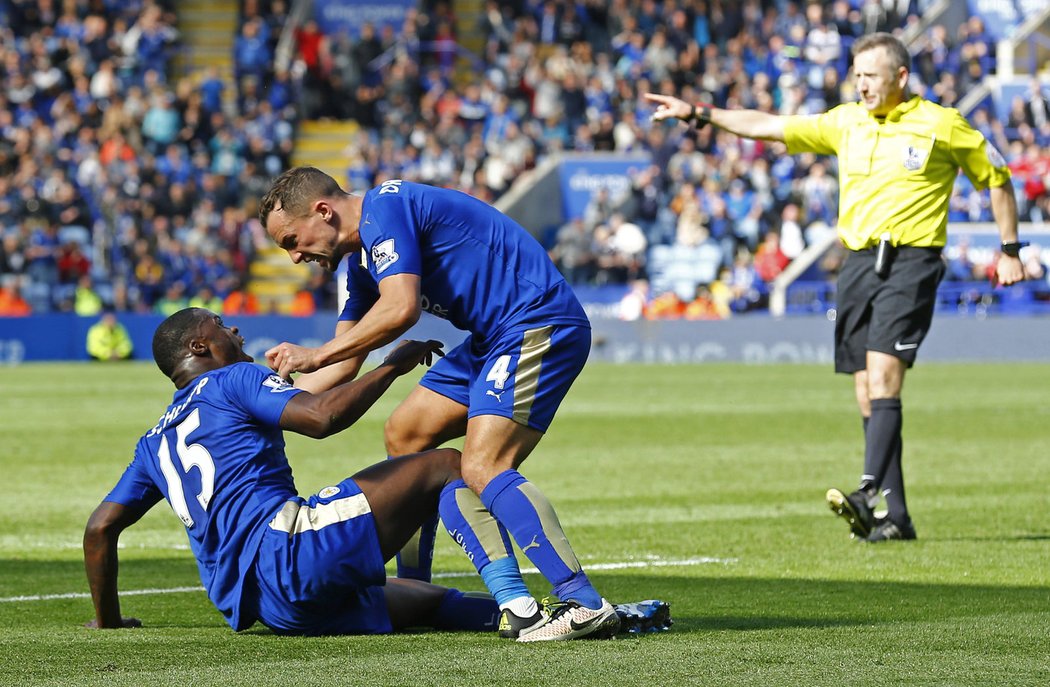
point(137, 137)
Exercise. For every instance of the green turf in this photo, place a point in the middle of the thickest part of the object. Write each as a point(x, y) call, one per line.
point(723, 464)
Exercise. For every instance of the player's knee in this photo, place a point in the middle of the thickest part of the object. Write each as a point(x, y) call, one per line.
point(449, 460)
point(478, 473)
point(400, 437)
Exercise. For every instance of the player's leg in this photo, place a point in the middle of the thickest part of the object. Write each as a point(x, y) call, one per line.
point(414, 603)
point(513, 402)
point(497, 446)
point(321, 567)
point(424, 420)
point(404, 492)
point(433, 413)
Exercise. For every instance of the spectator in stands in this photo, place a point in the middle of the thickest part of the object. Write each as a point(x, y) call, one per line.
point(173, 300)
point(572, 252)
point(42, 254)
point(72, 263)
point(770, 260)
point(252, 57)
point(1037, 107)
point(240, 301)
point(791, 240)
point(86, 300)
point(635, 302)
point(703, 306)
point(665, 306)
point(11, 302)
point(108, 340)
point(598, 86)
point(628, 240)
point(207, 299)
point(160, 125)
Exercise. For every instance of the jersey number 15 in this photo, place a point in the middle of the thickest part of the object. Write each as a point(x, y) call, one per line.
point(192, 456)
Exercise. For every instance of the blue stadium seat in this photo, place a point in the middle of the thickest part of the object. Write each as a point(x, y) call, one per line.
point(75, 233)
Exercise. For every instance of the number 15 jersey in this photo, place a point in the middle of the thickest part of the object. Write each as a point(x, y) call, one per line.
point(217, 455)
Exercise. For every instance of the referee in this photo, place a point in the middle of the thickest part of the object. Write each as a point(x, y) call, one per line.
point(898, 157)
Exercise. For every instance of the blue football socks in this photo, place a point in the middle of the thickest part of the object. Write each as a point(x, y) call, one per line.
point(484, 540)
point(416, 559)
point(459, 611)
point(529, 516)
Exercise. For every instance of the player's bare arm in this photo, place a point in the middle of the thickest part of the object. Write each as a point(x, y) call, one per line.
point(746, 123)
point(1009, 269)
point(101, 563)
point(332, 411)
point(335, 374)
point(394, 313)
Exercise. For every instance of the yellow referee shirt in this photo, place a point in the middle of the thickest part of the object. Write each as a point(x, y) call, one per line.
point(896, 175)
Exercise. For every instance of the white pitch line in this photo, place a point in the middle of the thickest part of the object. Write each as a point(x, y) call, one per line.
point(622, 565)
point(85, 595)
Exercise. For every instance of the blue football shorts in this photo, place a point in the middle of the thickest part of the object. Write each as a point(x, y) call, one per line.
point(523, 376)
point(320, 570)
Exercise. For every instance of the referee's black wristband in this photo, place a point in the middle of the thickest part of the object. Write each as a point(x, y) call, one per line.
point(701, 115)
point(1013, 248)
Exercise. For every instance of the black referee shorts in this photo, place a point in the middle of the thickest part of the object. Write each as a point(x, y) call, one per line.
point(890, 315)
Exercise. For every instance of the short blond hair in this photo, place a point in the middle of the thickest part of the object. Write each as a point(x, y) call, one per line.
point(897, 51)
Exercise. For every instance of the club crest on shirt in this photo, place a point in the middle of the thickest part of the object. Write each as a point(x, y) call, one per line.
point(914, 158)
point(994, 156)
point(384, 255)
point(277, 384)
point(328, 492)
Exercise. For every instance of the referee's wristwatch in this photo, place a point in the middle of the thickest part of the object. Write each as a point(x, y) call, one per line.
point(1013, 248)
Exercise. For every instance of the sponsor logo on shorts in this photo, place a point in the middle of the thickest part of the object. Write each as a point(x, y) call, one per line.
point(898, 346)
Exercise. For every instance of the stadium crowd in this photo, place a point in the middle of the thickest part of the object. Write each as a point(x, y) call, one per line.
point(123, 186)
point(97, 134)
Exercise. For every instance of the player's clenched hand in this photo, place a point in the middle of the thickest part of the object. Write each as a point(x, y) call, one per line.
point(286, 358)
point(669, 106)
point(410, 353)
point(124, 622)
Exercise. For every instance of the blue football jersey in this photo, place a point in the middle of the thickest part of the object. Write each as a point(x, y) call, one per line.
point(478, 268)
point(217, 456)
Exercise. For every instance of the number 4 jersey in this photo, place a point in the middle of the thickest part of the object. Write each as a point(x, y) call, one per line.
point(217, 455)
point(478, 268)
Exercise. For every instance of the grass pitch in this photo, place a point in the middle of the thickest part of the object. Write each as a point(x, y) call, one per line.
point(700, 485)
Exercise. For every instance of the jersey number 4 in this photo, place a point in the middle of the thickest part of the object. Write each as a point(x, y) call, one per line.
point(192, 456)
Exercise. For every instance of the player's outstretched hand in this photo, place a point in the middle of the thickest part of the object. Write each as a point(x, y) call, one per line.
point(669, 106)
point(410, 353)
point(124, 622)
point(286, 358)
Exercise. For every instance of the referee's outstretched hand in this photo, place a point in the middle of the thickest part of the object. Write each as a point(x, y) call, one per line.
point(669, 106)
